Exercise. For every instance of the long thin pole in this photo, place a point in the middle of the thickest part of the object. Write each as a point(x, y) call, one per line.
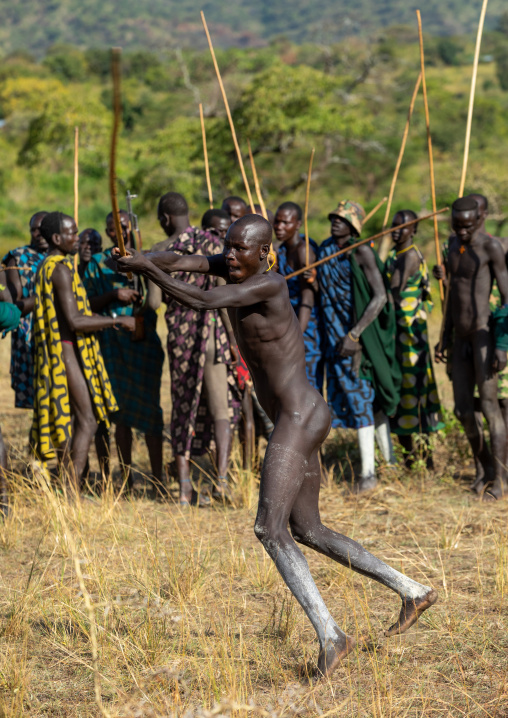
point(76, 174)
point(306, 211)
point(402, 150)
point(228, 113)
point(373, 211)
point(205, 154)
point(76, 187)
point(429, 143)
point(256, 183)
point(364, 241)
point(471, 97)
point(383, 249)
point(116, 53)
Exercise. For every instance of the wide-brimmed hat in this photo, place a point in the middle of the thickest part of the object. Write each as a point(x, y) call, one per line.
point(352, 212)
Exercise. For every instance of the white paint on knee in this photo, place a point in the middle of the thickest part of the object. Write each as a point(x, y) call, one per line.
point(366, 446)
point(383, 437)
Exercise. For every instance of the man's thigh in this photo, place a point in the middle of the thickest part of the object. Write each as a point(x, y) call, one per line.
point(463, 375)
point(483, 351)
point(79, 396)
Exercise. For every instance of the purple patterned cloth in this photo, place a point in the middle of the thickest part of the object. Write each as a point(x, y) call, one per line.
point(188, 332)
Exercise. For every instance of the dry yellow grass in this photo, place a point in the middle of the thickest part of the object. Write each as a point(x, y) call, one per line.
point(187, 613)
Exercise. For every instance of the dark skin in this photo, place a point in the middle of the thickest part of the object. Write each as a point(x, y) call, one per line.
point(271, 341)
point(173, 226)
point(88, 246)
point(37, 241)
point(287, 227)
point(406, 265)
point(235, 209)
point(123, 433)
point(70, 321)
point(475, 259)
point(219, 226)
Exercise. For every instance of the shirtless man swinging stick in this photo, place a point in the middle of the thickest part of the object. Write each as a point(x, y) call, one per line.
point(270, 339)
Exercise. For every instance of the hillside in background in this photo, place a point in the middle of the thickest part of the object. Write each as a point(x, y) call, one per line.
point(34, 25)
point(348, 100)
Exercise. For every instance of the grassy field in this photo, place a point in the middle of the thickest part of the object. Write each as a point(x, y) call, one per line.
point(132, 607)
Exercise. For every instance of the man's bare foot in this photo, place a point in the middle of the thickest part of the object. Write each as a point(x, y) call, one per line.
point(498, 490)
point(330, 656)
point(366, 483)
point(412, 609)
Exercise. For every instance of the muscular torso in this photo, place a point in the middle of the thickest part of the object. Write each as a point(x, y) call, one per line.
point(471, 282)
point(271, 342)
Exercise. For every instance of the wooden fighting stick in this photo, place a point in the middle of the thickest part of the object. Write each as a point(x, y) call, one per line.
point(365, 241)
point(471, 97)
point(383, 249)
point(466, 144)
point(76, 187)
point(256, 183)
point(228, 113)
point(429, 143)
point(205, 154)
point(306, 210)
point(116, 53)
point(374, 211)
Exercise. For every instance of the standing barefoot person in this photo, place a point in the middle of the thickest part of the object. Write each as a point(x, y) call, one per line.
point(419, 409)
point(270, 339)
point(479, 336)
point(72, 388)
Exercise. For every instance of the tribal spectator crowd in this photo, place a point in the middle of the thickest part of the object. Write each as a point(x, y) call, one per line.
point(86, 355)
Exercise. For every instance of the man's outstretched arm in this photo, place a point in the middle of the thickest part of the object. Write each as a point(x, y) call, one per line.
point(172, 262)
point(257, 289)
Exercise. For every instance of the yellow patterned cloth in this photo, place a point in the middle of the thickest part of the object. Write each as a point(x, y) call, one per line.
point(52, 425)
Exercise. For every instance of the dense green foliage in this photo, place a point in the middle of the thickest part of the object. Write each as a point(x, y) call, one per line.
point(347, 100)
point(168, 23)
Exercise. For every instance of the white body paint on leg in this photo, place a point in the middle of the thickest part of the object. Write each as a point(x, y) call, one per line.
point(366, 445)
point(383, 437)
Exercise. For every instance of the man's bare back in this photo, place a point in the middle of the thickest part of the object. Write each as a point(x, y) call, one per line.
point(271, 341)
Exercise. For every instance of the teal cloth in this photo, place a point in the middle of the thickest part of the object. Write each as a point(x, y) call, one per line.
point(379, 361)
point(500, 317)
point(10, 317)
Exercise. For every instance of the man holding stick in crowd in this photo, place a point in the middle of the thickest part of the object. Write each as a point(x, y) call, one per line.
point(270, 339)
point(363, 376)
point(204, 396)
point(480, 338)
point(134, 362)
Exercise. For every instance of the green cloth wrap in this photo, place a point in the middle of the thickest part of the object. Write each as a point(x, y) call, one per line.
point(379, 361)
point(9, 317)
point(500, 317)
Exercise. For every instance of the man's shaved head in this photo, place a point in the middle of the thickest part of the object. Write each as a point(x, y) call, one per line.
point(174, 204)
point(253, 228)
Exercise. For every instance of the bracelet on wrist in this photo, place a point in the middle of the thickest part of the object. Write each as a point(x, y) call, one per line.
point(353, 339)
